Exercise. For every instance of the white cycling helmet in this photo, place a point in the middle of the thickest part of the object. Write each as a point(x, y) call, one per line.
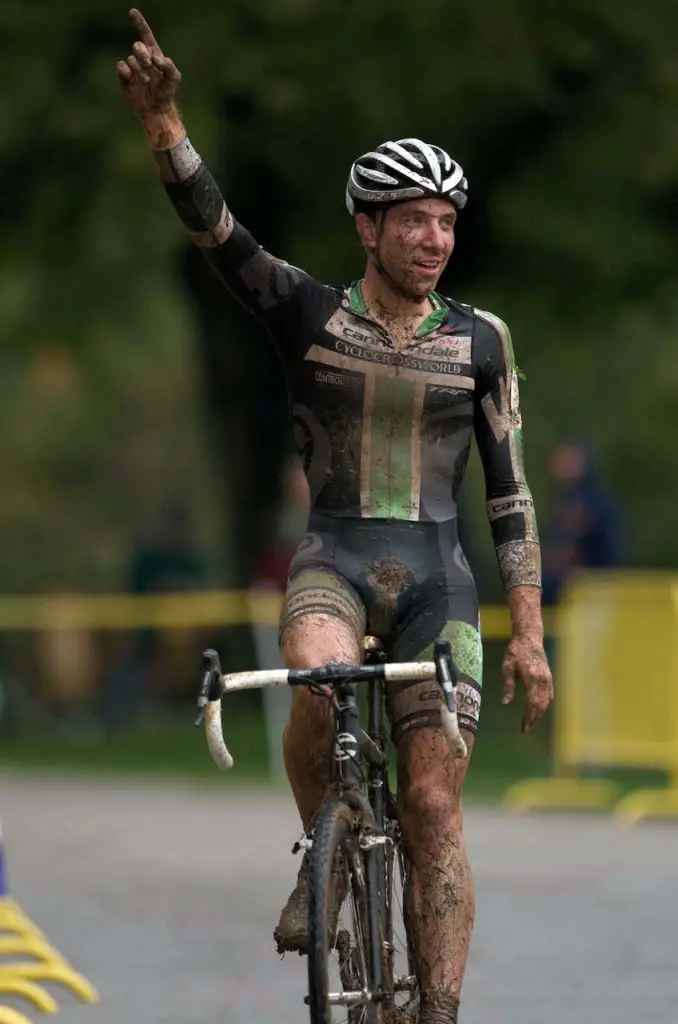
point(407, 169)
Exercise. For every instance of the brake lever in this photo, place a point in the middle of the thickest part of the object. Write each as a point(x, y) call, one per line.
point(211, 683)
point(446, 672)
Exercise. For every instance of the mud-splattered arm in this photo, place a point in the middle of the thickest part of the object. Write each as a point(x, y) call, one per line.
point(497, 424)
point(266, 286)
point(511, 512)
point(270, 289)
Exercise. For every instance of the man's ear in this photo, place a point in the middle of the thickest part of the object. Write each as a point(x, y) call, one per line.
point(366, 228)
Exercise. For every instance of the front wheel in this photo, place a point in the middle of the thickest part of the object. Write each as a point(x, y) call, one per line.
point(338, 958)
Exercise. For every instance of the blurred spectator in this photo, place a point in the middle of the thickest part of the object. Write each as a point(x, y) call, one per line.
point(583, 529)
point(581, 532)
point(168, 561)
point(157, 663)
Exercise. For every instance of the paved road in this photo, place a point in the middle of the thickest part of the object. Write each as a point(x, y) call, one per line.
point(165, 898)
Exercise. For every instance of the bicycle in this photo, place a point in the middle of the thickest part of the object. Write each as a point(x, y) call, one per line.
point(356, 831)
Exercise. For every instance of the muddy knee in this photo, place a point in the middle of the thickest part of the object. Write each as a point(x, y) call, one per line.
point(429, 807)
point(308, 643)
point(322, 620)
point(312, 640)
point(430, 782)
point(310, 718)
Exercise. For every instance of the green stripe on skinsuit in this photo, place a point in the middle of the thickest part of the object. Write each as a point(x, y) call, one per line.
point(467, 649)
point(391, 448)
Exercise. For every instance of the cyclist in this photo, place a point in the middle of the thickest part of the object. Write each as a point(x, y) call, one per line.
point(389, 381)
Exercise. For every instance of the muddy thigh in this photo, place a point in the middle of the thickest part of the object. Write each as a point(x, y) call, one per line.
point(322, 622)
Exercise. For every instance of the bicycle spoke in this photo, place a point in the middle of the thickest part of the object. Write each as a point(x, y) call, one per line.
point(404, 1003)
point(352, 963)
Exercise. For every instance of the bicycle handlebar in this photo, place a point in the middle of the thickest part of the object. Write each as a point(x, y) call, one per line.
point(215, 686)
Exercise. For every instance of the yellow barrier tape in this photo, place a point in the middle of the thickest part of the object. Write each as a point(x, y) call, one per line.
point(173, 611)
point(131, 611)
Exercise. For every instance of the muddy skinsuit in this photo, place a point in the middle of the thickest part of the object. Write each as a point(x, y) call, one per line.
point(385, 437)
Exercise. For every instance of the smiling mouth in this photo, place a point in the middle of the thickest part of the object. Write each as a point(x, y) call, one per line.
point(428, 266)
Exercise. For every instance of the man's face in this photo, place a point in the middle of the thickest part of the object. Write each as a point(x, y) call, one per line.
point(415, 241)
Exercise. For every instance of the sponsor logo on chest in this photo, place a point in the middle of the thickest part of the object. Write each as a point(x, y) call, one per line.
point(457, 350)
point(355, 346)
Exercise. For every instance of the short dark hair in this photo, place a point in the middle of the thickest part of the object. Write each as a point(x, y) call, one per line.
point(361, 206)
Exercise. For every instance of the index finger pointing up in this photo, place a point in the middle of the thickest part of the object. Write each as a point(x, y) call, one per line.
point(143, 28)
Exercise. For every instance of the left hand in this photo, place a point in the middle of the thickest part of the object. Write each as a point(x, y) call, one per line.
point(148, 79)
point(525, 659)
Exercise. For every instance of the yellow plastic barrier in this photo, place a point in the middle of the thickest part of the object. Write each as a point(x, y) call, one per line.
point(9, 1016)
point(20, 937)
point(616, 700)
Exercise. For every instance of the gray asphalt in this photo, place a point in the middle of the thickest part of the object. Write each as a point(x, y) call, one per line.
point(165, 896)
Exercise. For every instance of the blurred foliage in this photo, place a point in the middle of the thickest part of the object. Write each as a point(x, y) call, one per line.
point(565, 118)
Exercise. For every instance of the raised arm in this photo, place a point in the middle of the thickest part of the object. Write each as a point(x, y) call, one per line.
point(268, 287)
point(510, 509)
